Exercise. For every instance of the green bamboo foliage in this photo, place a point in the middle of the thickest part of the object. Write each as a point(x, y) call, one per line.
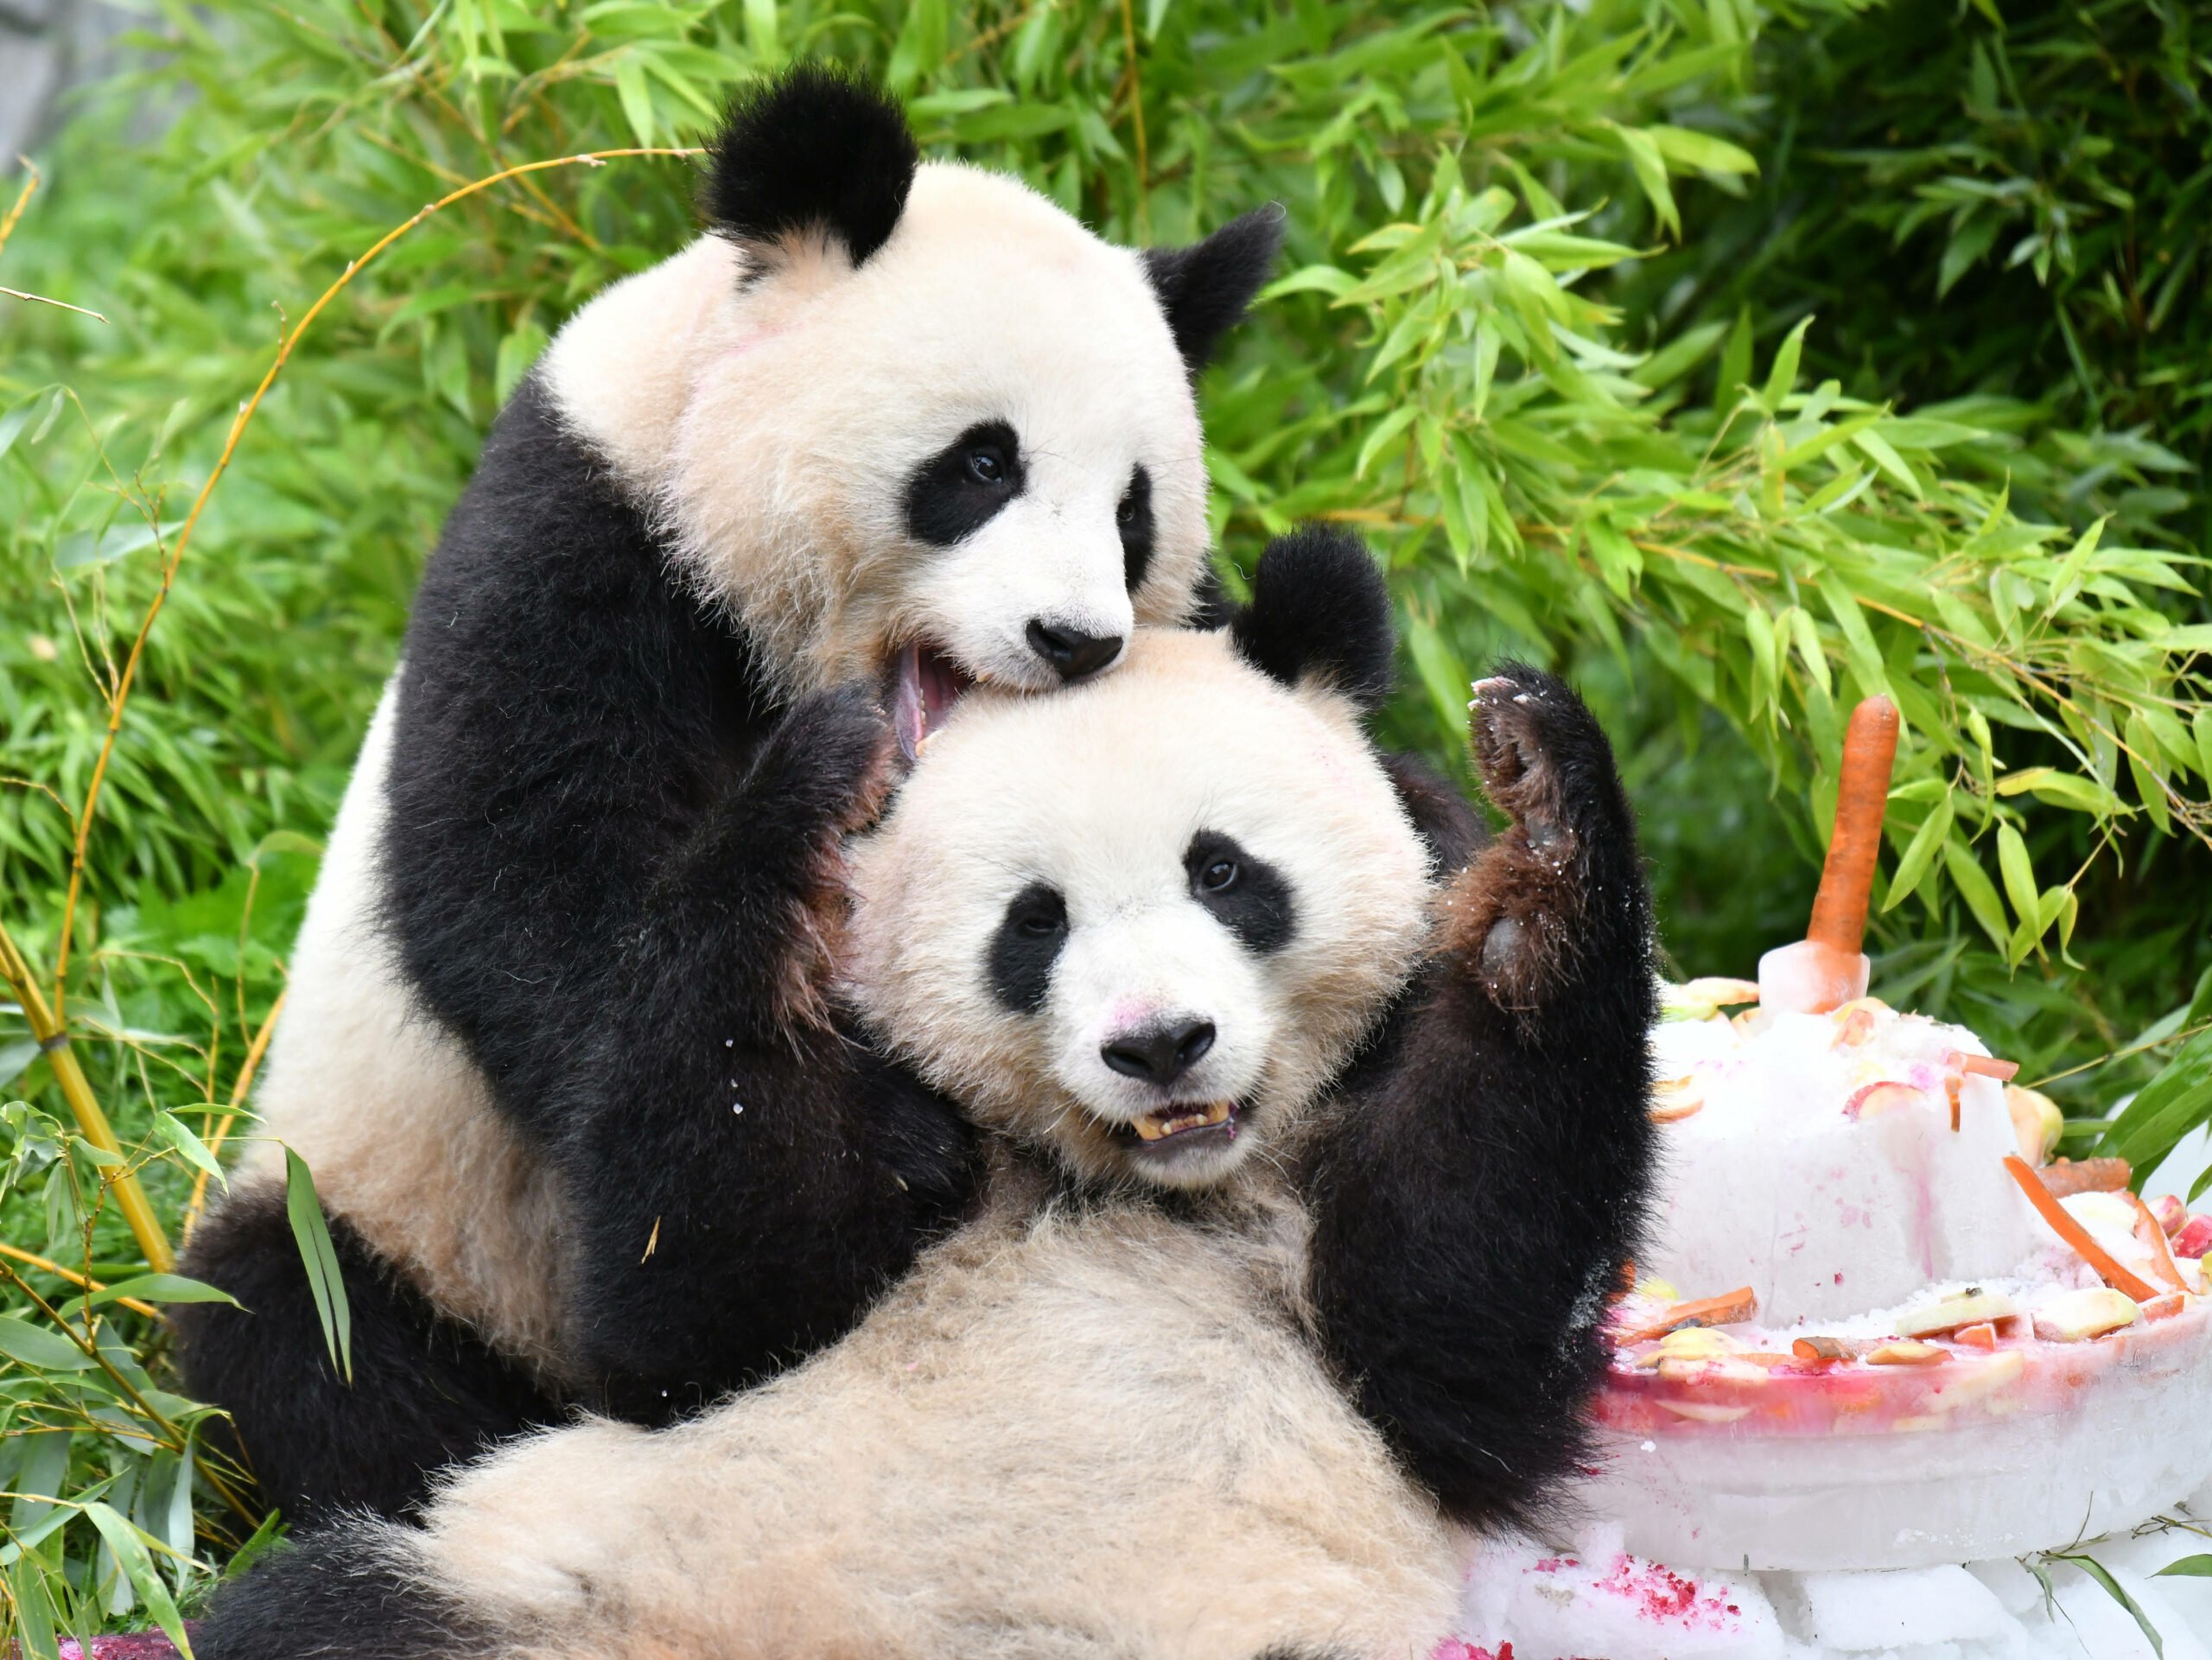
point(1528, 340)
point(1784, 552)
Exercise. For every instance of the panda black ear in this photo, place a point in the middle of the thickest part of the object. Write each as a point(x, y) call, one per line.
point(1320, 608)
point(813, 151)
point(1205, 288)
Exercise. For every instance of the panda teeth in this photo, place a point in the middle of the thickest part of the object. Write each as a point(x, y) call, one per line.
point(1168, 1121)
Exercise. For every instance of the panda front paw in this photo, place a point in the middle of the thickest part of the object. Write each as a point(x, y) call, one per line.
point(1542, 904)
point(826, 769)
point(1544, 760)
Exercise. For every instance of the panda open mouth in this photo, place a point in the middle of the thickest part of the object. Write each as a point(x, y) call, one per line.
point(925, 683)
point(1185, 1123)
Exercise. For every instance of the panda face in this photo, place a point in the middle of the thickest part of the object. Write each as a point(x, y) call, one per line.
point(1139, 924)
point(974, 458)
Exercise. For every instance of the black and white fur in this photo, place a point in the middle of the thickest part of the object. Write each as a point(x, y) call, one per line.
point(1224, 1391)
point(888, 430)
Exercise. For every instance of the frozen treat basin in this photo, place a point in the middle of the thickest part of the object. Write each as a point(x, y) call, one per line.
point(1727, 1463)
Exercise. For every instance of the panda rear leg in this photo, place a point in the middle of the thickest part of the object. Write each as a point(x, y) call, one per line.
point(426, 1392)
point(354, 1590)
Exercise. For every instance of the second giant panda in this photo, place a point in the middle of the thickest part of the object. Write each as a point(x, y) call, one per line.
point(1284, 1270)
point(887, 430)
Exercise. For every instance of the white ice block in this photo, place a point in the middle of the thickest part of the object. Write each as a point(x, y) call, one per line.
point(1858, 1612)
point(1824, 1173)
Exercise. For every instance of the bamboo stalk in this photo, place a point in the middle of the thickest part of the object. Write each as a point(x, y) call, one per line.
point(77, 1090)
point(74, 1278)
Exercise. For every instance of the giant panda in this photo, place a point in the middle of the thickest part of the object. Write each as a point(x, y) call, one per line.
point(1310, 1170)
point(888, 430)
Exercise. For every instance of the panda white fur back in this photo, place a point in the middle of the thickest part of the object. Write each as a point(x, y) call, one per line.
point(1244, 1331)
point(889, 430)
point(408, 1148)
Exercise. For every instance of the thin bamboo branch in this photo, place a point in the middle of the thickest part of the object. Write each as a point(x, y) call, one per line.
point(23, 201)
point(222, 1131)
point(1136, 115)
point(174, 555)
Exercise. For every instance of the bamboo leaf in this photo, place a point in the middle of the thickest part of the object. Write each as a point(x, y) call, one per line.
point(1700, 151)
point(325, 1280)
point(1783, 374)
point(2019, 876)
point(162, 1288)
point(2145, 765)
point(1975, 887)
point(2167, 1108)
point(29, 1346)
point(1919, 856)
point(2097, 1571)
point(130, 1544)
point(1735, 364)
point(1878, 451)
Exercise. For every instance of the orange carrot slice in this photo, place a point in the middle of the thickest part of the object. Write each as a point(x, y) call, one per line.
point(1989, 1066)
point(1869, 750)
point(2162, 1254)
point(1982, 1335)
point(1736, 1306)
point(2064, 1225)
point(2164, 1307)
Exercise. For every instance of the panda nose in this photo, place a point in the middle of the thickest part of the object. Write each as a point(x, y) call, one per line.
point(1160, 1055)
point(1073, 652)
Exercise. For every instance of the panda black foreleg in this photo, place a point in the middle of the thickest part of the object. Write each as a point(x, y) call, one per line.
point(746, 1178)
point(425, 1391)
point(1489, 1184)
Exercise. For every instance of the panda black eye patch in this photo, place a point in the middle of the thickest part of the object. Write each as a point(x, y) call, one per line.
point(1132, 518)
point(955, 493)
point(1026, 946)
point(1247, 896)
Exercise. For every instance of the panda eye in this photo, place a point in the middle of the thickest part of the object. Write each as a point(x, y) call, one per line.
point(986, 465)
point(1040, 914)
point(1126, 513)
point(1219, 876)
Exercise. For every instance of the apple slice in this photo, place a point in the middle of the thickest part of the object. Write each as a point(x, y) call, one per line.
point(1963, 1309)
point(2194, 1237)
point(2077, 1316)
point(1676, 1098)
point(1701, 999)
point(1885, 1095)
point(1907, 1354)
point(2037, 1122)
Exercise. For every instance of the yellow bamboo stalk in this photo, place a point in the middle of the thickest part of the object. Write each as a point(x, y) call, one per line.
point(77, 1090)
point(79, 1281)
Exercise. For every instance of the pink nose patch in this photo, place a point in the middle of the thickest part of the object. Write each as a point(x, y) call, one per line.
point(1130, 1012)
